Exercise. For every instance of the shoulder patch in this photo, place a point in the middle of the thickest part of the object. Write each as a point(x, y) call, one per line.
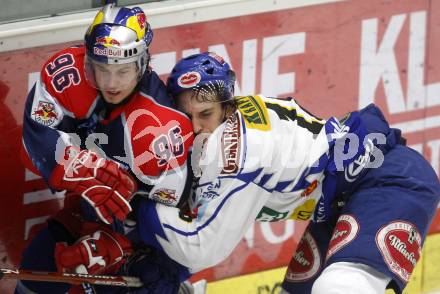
point(45, 113)
point(346, 230)
point(400, 244)
point(254, 111)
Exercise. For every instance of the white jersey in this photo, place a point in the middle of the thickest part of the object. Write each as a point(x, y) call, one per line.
point(266, 162)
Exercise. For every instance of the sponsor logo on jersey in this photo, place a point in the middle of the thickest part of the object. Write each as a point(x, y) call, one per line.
point(304, 211)
point(45, 113)
point(306, 262)
point(307, 191)
point(189, 79)
point(267, 214)
point(209, 195)
point(165, 196)
point(210, 191)
point(346, 230)
point(320, 214)
point(109, 52)
point(231, 145)
point(254, 111)
point(355, 168)
point(399, 243)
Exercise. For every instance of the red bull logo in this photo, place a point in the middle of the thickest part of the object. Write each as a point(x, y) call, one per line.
point(142, 20)
point(165, 196)
point(107, 41)
point(137, 23)
point(45, 113)
point(109, 52)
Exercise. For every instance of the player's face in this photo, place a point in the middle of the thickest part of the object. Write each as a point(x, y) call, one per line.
point(205, 116)
point(116, 81)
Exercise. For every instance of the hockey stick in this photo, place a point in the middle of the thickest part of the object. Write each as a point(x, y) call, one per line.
point(70, 278)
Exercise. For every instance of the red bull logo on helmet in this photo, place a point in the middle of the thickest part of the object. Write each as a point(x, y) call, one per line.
point(109, 52)
point(189, 79)
point(137, 23)
point(107, 41)
point(142, 20)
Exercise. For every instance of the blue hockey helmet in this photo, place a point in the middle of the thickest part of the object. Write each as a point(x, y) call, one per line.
point(118, 35)
point(203, 69)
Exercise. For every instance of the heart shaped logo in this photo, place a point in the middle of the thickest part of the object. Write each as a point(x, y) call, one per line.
point(345, 231)
point(189, 79)
point(400, 245)
point(306, 262)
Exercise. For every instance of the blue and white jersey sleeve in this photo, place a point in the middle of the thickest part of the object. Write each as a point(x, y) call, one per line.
point(42, 117)
point(59, 99)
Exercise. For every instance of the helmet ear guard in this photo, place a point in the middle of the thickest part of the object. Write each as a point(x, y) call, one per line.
point(204, 72)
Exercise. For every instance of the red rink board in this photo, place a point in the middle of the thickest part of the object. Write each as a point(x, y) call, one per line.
point(332, 58)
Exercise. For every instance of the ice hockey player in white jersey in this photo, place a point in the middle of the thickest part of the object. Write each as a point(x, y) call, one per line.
point(267, 159)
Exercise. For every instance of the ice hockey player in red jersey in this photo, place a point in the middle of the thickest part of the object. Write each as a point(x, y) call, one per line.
point(99, 124)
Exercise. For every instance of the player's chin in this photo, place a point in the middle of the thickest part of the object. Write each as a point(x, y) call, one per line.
point(114, 97)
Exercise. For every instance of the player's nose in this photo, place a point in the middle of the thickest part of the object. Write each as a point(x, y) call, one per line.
point(197, 126)
point(111, 83)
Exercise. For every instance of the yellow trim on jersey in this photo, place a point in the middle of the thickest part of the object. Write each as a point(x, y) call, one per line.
point(254, 111)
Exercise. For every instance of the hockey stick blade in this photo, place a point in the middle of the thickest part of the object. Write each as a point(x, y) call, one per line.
point(70, 278)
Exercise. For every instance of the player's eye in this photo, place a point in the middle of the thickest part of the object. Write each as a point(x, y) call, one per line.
point(123, 72)
point(101, 69)
point(205, 114)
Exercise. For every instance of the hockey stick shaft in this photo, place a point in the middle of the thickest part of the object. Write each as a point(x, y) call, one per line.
point(70, 278)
